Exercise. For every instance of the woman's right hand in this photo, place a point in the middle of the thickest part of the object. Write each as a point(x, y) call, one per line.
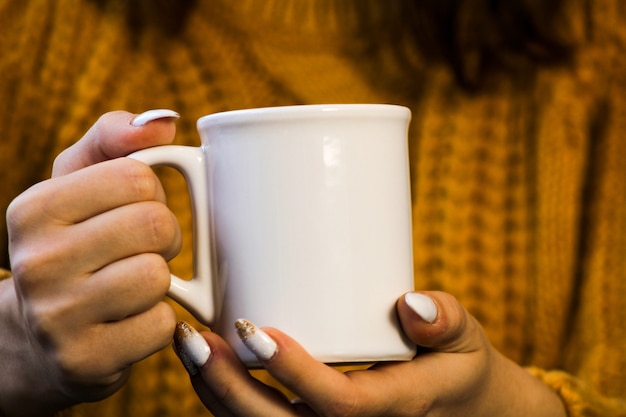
point(89, 250)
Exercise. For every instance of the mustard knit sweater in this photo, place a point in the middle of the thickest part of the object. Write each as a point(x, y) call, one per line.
point(519, 192)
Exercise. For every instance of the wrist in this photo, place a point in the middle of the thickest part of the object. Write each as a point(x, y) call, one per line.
point(527, 395)
point(26, 388)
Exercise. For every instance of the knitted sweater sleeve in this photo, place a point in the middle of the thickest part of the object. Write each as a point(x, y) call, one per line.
point(589, 376)
point(578, 397)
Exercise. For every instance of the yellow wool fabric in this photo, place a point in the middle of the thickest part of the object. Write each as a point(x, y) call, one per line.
point(519, 192)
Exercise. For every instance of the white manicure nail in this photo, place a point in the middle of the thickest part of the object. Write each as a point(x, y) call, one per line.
point(422, 305)
point(150, 115)
point(255, 339)
point(191, 347)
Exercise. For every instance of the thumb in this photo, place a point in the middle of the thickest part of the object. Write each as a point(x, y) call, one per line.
point(117, 134)
point(436, 320)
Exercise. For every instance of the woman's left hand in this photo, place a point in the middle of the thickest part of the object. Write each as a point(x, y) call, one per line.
point(456, 373)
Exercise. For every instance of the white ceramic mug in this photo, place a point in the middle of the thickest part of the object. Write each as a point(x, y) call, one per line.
point(301, 222)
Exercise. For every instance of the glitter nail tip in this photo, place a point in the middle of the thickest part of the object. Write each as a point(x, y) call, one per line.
point(191, 343)
point(256, 340)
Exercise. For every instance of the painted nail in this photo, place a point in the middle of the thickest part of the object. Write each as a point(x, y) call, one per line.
point(150, 115)
point(255, 339)
point(191, 348)
point(422, 305)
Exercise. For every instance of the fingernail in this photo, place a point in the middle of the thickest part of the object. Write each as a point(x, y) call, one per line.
point(191, 348)
point(150, 115)
point(422, 305)
point(255, 339)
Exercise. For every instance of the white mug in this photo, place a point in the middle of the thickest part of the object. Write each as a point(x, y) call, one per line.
point(302, 221)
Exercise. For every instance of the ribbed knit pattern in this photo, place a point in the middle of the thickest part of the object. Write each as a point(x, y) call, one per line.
point(519, 191)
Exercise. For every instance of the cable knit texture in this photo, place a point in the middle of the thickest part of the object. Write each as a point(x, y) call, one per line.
point(519, 191)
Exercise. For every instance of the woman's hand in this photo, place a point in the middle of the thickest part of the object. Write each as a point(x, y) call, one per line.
point(456, 373)
point(89, 250)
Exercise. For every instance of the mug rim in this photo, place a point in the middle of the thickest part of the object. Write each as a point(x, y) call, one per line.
point(305, 111)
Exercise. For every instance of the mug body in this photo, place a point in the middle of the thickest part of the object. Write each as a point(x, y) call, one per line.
point(311, 226)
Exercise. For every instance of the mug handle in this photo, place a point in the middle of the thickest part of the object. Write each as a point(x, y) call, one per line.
point(198, 294)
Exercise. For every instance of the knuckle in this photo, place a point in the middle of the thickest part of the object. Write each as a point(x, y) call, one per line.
point(103, 124)
point(21, 212)
point(43, 323)
point(164, 320)
point(70, 361)
point(457, 322)
point(79, 359)
point(107, 117)
point(226, 395)
point(15, 213)
point(24, 270)
point(76, 363)
point(38, 325)
point(143, 183)
point(61, 159)
point(161, 226)
point(155, 274)
point(31, 268)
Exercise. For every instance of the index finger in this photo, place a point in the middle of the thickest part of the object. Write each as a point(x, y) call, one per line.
point(391, 388)
point(83, 194)
point(325, 389)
